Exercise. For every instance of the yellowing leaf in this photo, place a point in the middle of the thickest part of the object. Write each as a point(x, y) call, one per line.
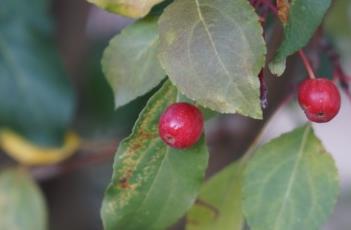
point(213, 50)
point(152, 185)
point(129, 8)
point(28, 153)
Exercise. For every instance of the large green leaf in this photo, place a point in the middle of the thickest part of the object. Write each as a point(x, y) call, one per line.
point(219, 202)
point(152, 185)
point(290, 183)
point(304, 18)
point(35, 97)
point(22, 206)
point(36, 15)
point(130, 61)
point(212, 51)
point(129, 8)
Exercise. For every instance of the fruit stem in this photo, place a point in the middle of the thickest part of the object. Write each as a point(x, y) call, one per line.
point(307, 65)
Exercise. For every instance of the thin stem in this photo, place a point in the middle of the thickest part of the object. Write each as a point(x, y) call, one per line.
point(307, 65)
point(272, 7)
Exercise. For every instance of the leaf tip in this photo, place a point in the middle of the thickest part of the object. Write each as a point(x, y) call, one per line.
point(277, 67)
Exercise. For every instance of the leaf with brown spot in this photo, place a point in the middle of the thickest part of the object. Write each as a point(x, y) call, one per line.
point(303, 20)
point(152, 185)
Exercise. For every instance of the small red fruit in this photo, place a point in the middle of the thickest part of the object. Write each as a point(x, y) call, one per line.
point(181, 125)
point(320, 99)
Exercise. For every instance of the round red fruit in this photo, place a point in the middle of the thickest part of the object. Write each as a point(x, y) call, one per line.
point(181, 125)
point(320, 99)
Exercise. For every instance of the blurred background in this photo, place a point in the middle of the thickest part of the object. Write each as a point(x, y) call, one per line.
point(74, 189)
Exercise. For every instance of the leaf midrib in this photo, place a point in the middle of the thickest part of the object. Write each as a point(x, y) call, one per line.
point(292, 177)
point(202, 20)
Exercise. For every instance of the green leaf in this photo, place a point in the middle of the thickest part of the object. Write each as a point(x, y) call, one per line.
point(290, 183)
point(36, 99)
point(129, 8)
point(152, 185)
point(338, 20)
point(219, 203)
point(130, 61)
point(304, 18)
point(35, 16)
point(22, 206)
point(338, 26)
point(212, 51)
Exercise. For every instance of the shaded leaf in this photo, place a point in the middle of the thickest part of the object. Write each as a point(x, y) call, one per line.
point(22, 206)
point(36, 99)
point(152, 185)
point(338, 20)
point(290, 183)
point(130, 63)
point(129, 8)
point(338, 26)
point(212, 51)
point(219, 203)
point(304, 18)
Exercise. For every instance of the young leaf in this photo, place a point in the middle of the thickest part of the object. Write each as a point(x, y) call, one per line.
point(129, 8)
point(22, 205)
point(130, 63)
point(152, 185)
point(36, 99)
point(304, 18)
point(219, 203)
point(212, 51)
point(290, 183)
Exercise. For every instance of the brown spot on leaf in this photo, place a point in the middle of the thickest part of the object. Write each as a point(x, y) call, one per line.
point(135, 147)
point(123, 183)
point(283, 10)
point(124, 180)
point(147, 135)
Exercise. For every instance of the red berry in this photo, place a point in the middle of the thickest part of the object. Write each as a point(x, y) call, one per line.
point(320, 99)
point(181, 125)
